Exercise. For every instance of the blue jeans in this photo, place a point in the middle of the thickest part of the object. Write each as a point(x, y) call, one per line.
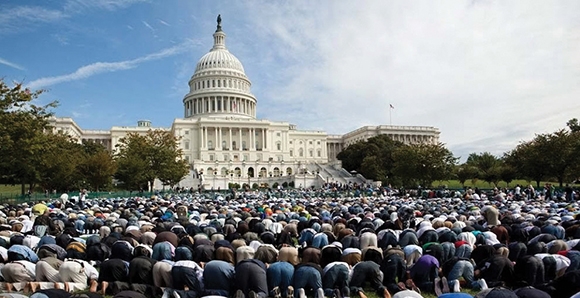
point(463, 269)
point(279, 275)
point(464, 251)
point(574, 257)
point(306, 277)
point(335, 278)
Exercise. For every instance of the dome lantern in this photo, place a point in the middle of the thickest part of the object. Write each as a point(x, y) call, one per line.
point(219, 37)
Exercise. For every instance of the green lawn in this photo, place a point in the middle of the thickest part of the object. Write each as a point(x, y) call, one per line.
point(454, 184)
point(9, 189)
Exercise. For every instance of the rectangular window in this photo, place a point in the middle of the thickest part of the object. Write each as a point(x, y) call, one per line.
point(291, 153)
point(226, 157)
point(318, 153)
point(186, 145)
point(187, 158)
point(277, 134)
point(211, 157)
point(187, 132)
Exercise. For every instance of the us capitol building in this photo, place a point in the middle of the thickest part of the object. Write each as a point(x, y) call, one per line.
point(224, 142)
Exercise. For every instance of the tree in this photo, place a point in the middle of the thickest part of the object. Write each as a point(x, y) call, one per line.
point(573, 125)
point(372, 158)
point(423, 163)
point(507, 173)
point(527, 160)
point(99, 168)
point(487, 165)
point(143, 158)
point(22, 134)
point(466, 172)
point(59, 163)
point(174, 172)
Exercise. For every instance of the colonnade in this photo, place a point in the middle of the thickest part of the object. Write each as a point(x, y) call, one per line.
point(220, 104)
point(412, 138)
point(256, 137)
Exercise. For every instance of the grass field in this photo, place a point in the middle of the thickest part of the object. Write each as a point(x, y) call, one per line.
point(454, 184)
point(9, 189)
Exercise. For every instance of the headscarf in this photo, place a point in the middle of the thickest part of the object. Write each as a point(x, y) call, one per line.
point(243, 253)
point(266, 253)
point(225, 253)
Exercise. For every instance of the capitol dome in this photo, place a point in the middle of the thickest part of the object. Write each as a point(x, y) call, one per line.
point(219, 86)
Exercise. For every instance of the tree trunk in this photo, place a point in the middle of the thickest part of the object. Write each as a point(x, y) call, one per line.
point(22, 188)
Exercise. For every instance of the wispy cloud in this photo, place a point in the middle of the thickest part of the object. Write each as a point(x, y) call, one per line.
point(164, 23)
point(14, 19)
point(63, 40)
point(129, 27)
point(452, 66)
point(104, 67)
point(11, 64)
point(111, 5)
point(148, 26)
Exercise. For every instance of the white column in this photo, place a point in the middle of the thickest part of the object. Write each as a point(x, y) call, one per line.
point(201, 137)
point(218, 144)
point(240, 141)
point(230, 140)
point(252, 145)
point(263, 138)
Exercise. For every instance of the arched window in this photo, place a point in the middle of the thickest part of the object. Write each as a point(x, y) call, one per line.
point(276, 172)
point(224, 145)
point(278, 146)
point(300, 152)
point(234, 145)
point(210, 145)
point(244, 145)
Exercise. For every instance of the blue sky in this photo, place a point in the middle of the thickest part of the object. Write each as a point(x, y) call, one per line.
point(489, 74)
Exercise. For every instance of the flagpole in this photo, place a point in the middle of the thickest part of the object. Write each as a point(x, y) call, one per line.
point(390, 115)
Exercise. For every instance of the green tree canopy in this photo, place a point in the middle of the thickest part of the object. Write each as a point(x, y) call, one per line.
point(372, 158)
point(143, 158)
point(487, 164)
point(22, 134)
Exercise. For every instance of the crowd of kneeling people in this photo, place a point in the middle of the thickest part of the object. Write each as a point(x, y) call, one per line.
point(262, 246)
